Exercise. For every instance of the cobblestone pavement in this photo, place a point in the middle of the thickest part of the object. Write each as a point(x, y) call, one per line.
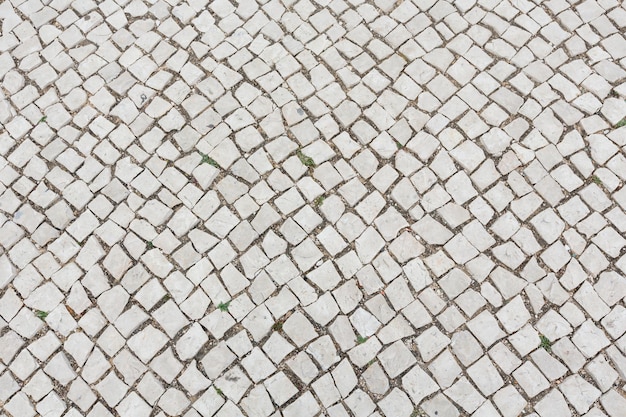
point(306, 208)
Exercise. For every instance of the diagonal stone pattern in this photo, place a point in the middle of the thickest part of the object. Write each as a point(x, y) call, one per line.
point(301, 208)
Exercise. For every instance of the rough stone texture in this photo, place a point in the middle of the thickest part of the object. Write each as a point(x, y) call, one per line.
point(302, 207)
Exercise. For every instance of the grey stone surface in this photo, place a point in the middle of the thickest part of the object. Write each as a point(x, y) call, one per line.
point(292, 208)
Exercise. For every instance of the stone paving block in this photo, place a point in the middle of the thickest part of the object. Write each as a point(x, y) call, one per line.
point(396, 359)
point(466, 347)
point(552, 404)
point(589, 339)
point(569, 354)
point(485, 376)
point(530, 379)
point(465, 395)
point(430, 343)
point(612, 403)
point(485, 328)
